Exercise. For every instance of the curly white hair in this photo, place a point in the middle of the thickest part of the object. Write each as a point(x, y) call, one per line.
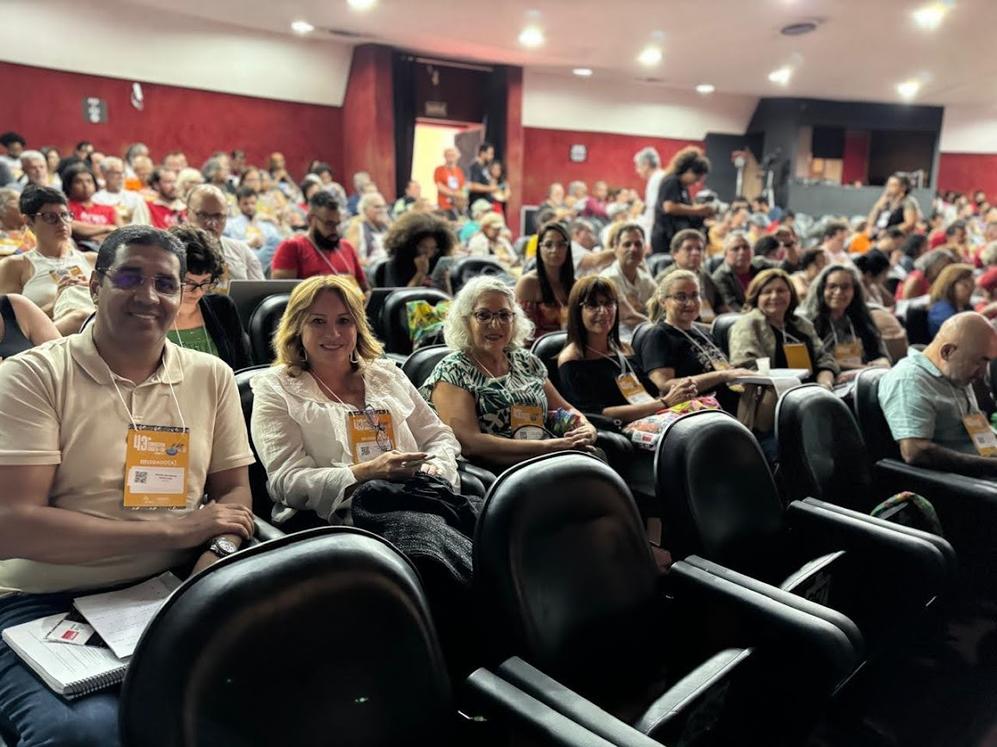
point(457, 327)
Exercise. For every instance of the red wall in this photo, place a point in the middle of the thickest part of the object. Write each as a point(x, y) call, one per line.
point(855, 160)
point(610, 157)
point(967, 172)
point(369, 120)
point(46, 107)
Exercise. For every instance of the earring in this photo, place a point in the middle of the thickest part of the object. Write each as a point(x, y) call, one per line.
point(354, 358)
point(304, 353)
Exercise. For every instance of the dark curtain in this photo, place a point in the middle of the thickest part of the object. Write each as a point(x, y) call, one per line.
point(495, 110)
point(403, 70)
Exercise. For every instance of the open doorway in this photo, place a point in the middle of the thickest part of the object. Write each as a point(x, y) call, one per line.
point(432, 137)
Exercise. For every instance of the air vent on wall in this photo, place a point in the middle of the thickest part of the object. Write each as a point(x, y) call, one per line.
point(344, 34)
point(799, 29)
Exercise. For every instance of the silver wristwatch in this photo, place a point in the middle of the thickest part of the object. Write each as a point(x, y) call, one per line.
point(223, 547)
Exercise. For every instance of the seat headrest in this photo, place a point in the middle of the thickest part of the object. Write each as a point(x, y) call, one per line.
point(394, 316)
point(721, 330)
point(263, 322)
point(547, 347)
point(421, 363)
point(716, 490)
point(875, 430)
point(334, 615)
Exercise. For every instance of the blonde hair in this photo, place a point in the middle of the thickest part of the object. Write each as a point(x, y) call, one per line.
point(491, 219)
point(943, 289)
point(457, 327)
point(287, 338)
point(656, 306)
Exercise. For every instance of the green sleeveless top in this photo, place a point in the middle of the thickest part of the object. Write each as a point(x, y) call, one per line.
point(196, 338)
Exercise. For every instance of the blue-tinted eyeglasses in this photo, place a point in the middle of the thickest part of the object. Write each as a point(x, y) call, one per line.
point(164, 285)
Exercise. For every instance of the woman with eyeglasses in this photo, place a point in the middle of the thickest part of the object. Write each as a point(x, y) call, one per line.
point(207, 321)
point(838, 310)
point(543, 292)
point(55, 264)
point(601, 374)
point(674, 348)
point(493, 393)
point(333, 413)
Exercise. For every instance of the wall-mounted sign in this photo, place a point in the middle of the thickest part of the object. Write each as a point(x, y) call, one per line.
point(578, 153)
point(436, 108)
point(94, 110)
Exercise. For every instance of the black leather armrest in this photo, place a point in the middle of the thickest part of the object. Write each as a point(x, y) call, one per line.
point(898, 555)
point(602, 423)
point(549, 694)
point(264, 531)
point(935, 485)
point(940, 543)
point(485, 476)
point(397, 358)
point(767, 615)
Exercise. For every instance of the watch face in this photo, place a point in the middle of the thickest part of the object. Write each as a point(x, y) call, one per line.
point(227, 546)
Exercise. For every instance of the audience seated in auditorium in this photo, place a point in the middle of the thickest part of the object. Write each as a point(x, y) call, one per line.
point(43, 273)
point(449, 179)
point(69, 521)
point(133, 152)
point(771, 329)
point(837, 309)
point(674, 348)
point(587, 258)
point(131, 208)
point(599, 373)
point(555, 202)
point(542, 293)
point(490, 241)
point(142, 169)
point(927, 397)
point(34, 171)
point(926, 270)
point(207, 321)
point(319, 251)
point(166, 208)
point(366, 231)
point(282, 180)
point(361, 181)
point(175, 160)
point(735, 274)
point(490, 390)
point(187, 179)
point(812, 261)
point(15, 237)
point(631, 277)
point(594, 206)
point(207, 208)
point(216, 171)
point(673, 208)
point(874, 267)
point(419, 247)
point(260, 233)
point(950, 294)
point(957, 241)
point(410, 197)
point(479, 209)
point(92, 223)
point(987, 284)
point(834, 241)
point(22, 325)
point(687, 248)
point(332, 413)
point(13, 145)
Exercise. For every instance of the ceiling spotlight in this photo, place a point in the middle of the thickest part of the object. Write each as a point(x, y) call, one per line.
point(781, 76)
point(531, 36)
point(649, 56)
point(361, 4)
point(705, 88)
point(930, 16)
point(909, 89)
point(302, 27)
point(583, 72)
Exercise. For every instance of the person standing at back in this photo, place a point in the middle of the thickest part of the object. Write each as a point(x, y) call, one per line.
point(449, 179)
point(673, 208)
point(480, 183)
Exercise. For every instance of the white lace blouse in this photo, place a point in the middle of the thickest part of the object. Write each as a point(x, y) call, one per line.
point(302, 440)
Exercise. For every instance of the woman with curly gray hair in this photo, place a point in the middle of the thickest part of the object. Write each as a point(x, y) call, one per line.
point(493, 393)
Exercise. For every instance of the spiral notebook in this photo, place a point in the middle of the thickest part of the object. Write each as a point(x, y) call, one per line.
point(71, 671)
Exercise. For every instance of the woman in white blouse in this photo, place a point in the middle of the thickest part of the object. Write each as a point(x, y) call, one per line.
point(332, 413)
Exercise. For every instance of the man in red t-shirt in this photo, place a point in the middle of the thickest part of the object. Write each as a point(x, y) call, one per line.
point(165, 210)
point(449, 179)
point(320, 251)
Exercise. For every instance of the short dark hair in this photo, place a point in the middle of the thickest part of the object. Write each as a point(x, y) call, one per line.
point(9, 138)
point(833, 228)
point(485, 145)
point(157, 174)
point(914, 244)
point(320, 168)
point(765, 245)
point(71, 172)
point(204, 251)
point(143, 236)
point(83, 144)
point(686, 234)
point(34, 198)
point(244, 192)
point(323, 199)
point(810, 257)
point(873, 262)
point(956, 225)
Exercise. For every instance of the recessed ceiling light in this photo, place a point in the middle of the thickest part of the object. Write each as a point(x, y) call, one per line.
point(930, 16)
point(361, 4)
point(909, 88)
point(649, 55)
point(781, 76)
point(583, 72)
point(705, 88)
point(302, 27)
point(531, 36)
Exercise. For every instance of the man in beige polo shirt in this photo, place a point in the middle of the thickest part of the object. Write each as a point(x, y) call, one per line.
point(110, 440)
